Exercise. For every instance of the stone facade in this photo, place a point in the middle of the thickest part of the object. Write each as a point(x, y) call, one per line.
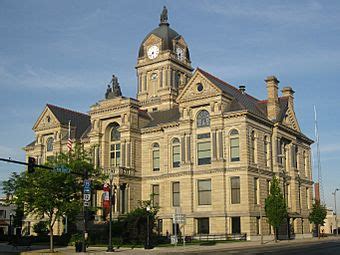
point(220, 144)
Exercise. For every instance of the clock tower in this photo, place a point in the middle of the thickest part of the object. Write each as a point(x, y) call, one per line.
point(163, 67)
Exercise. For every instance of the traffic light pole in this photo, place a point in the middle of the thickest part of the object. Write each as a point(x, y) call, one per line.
point(25, 163)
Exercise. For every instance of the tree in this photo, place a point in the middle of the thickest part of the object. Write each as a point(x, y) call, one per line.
point(318, 215)
point(49, 193)
point(41, 228)
point(135, 223)
point(275, 207)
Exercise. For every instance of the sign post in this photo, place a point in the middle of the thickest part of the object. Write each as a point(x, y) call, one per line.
point(86, 203)
point(178, 218)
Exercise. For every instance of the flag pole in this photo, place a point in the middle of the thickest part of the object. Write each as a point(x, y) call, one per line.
point(69, 142)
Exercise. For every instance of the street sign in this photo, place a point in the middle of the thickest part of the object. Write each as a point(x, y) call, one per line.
point(87, 183)
point(62, 169)
point(87, 197)
point(87, 186)
point(86, 203)
point(179, 218)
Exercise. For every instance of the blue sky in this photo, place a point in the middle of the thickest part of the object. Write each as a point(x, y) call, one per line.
point(64, 52)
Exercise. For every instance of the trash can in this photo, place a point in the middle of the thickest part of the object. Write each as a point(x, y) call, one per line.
point(79, 246)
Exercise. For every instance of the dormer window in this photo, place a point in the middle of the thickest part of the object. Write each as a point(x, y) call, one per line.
point(203, 119)
point(49, 144)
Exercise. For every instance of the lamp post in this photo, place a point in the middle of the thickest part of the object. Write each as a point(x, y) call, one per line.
point(148, 208)
point(284, 178)
point(336, 222)
point(299, 182)
point(110, 248)
point(10, 227)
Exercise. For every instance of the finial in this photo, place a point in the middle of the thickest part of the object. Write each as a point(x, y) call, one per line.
point(164, 16)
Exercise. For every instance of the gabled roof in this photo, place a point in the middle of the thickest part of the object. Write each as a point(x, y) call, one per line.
point(241, 100)
point(79, 120)
point(31, 144)
point(163, 117)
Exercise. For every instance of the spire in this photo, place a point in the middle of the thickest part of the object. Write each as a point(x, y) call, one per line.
point(164, 17)
point(114, 91)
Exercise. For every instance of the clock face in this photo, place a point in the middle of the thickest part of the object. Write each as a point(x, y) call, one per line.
point(153, 52)
point(180, 53)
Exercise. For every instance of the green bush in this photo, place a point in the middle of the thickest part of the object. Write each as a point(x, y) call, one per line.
point(41, 228)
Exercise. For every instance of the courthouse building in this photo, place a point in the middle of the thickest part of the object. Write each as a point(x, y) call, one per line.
point(191, 141)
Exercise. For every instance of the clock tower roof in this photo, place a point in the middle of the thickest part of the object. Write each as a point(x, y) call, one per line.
point(164, 32)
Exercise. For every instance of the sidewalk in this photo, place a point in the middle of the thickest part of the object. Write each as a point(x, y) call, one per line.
point(189, 248)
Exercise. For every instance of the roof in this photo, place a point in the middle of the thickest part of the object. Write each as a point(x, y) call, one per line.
point(167, 34)
point(283, 103)
point(79, 120)
point(241, 100)
point(31, 144)
point(162, 117)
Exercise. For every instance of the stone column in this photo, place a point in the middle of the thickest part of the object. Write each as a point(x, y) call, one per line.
point(213, 133)
point(128, 154)
point(220, 145)
point(188, 147)
point(144, 83)
point(183, 149)
point(122, 154)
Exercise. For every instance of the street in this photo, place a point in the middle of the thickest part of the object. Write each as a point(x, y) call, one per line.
point(293, 247)
point(325, 247)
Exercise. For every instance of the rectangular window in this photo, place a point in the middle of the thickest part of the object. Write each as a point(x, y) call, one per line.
point(235, 225)
point(266, 159)
point(202, 136)
point(307, 198)
point(204, 153)
point(2, 214)
point(176, 229)
point(257, 225)
point(288, 196)
point(235, 190)
point(256, 190)
point(204, 192)
point(294, 152)
point(268, 187)
point(176, 156)
point(155, 195)
point(115, 154)
point(159, 227)
point(202, 225)
point(155, 157)
point(175, 194)
point(234, 149)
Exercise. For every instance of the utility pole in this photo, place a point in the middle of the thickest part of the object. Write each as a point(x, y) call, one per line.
point(110, 248)
point(336, 214)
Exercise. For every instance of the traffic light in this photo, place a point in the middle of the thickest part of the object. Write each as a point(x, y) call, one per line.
point(31, 165)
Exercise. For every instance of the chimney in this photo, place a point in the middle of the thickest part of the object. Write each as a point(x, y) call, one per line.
point(273, 107)
point(289, 92)
point(242, 88)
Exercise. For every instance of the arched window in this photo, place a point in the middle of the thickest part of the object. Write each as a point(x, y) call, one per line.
point(155, 157)
point(234, 146)
point(176, 152)
point(252, 146)
point(115, 134)
point(203, 119)
point(49, 144)
point(115, 145)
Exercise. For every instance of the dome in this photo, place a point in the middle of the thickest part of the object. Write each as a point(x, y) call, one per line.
point(164, 32)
